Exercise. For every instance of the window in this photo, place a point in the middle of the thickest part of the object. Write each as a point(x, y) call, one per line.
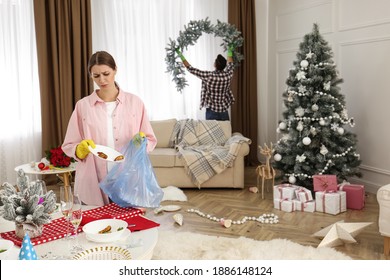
point(20, 126)
point(136, 33)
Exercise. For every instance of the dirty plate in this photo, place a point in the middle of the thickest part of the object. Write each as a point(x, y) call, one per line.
point(171, 208)
point(116, 230)
point(107, 153)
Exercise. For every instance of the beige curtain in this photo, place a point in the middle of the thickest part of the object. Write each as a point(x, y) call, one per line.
point(64, 44)
point(241, 13)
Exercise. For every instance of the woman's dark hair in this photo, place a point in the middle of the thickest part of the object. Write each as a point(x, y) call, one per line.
point(101, 58)
point(220, 62)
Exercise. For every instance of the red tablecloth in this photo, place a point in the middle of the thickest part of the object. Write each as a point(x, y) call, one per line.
point(56, 229)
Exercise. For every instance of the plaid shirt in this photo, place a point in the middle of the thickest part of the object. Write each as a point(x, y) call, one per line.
point(216, 93)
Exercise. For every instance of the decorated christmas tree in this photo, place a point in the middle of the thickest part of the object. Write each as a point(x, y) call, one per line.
point(313, 138)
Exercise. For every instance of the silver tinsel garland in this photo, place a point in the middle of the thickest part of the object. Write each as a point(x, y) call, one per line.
point(229, 34)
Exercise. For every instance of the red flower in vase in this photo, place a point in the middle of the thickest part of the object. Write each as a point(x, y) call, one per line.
point(58, 158)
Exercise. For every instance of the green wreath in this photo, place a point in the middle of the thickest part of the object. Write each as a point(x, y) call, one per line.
point(229, 34)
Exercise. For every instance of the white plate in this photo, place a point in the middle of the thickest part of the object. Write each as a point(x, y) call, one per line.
point(171, 208)
point(104, 253)
point(92, 228)
point(122, 239)
point(109, 152)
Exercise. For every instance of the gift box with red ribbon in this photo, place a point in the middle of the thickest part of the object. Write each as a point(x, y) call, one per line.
point(282, 191)
point(355, 195)
point(331, 202)
point(324, 183)
point(284, 204)
point(303, 194)
point(307, 206)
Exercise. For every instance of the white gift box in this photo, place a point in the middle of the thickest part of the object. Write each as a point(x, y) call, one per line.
point(333, 202)
point(284, 204)
point(285, 191)
point(303, 194)
point(307, 206)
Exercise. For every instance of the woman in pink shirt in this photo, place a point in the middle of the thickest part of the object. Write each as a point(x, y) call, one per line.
point(109, 117)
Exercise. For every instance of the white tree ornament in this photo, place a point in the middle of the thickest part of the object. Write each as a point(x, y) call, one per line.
point(304, 63)
point(306, 141)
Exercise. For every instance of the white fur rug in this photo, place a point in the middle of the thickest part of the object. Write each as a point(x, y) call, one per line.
point(173, 245)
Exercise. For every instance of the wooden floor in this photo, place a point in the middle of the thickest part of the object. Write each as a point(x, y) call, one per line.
point(296, 226)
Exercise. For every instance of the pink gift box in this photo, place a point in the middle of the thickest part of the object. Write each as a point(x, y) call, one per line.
point(355, 196)
point(325, 183)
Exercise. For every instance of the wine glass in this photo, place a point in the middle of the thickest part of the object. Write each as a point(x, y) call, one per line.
point(42, 186)
point(76, 215)
point(66, 204)
point(75, 219)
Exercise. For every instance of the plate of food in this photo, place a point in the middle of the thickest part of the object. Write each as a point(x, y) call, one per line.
point(5, 248)
point(105, 230)
point(107, 153)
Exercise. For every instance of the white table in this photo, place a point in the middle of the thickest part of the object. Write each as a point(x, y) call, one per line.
point(62, 248)
point(63, 173)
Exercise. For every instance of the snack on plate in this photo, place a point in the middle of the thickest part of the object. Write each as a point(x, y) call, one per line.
point(107, 229)
point(102, 155)
point(119, 158)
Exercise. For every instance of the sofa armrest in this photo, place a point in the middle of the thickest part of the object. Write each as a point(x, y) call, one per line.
point(244, 148)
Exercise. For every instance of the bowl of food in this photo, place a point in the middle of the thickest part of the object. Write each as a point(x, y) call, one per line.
point(5, 247)
point(105, 230)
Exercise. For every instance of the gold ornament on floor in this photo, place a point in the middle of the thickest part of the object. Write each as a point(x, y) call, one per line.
point(265, 171)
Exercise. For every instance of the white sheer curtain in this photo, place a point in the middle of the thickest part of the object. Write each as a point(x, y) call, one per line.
point(136, 33)
point(20, 114)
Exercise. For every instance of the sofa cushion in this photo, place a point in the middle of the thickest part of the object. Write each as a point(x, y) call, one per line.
point(163, 130)
point(163, 157)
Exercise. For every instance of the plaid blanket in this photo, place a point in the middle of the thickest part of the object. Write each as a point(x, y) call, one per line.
point(204, 149)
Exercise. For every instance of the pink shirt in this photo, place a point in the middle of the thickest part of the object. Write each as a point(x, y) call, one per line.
point(89, 121)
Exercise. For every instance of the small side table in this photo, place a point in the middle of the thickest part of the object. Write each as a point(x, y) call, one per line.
point(63, 173)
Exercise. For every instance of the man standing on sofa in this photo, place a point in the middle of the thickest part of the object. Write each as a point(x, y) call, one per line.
point(216, 94)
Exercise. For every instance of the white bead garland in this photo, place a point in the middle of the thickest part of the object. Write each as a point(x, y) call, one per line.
point(268, 218)
point(343, 119)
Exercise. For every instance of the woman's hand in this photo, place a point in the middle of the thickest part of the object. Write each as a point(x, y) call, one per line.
point(82, 149)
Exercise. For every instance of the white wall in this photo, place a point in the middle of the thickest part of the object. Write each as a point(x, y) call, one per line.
point(359, 33)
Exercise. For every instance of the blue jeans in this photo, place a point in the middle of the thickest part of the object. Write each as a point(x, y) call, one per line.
point(219, 116)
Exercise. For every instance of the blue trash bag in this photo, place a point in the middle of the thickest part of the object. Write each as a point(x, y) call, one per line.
point(132, 183)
